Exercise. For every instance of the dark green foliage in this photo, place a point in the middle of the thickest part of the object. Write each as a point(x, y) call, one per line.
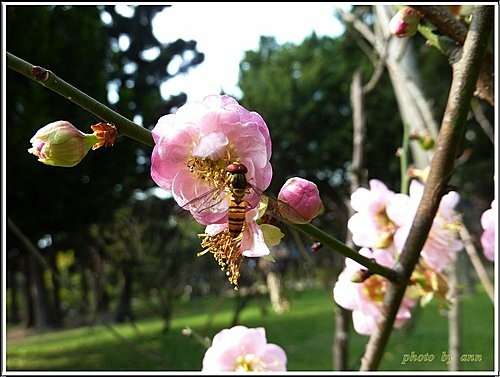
point(76, 44)
point(73, 42)
point(134, 73)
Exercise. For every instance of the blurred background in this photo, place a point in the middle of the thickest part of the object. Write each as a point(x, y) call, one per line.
point(100, 245)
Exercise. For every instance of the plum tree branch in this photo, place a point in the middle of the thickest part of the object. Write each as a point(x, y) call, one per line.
point(50, 80)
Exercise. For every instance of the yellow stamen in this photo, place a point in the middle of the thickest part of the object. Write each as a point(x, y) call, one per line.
point(375, 287)
point(248, 363)
point(212, 171)
point(226, 251)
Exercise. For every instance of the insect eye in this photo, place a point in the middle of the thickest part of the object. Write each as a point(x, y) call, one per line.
point(236, 168)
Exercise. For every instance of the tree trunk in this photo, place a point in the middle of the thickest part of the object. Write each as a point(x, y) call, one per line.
point(39, 294)
point(85, 293)
point(100, 293)
point(14, 299)
point(341, 343)
point(277, 294)
point(30, 299)
point(56, 314)
point(124, 309)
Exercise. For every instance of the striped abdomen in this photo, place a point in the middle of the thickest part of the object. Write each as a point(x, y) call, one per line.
point(238, 186)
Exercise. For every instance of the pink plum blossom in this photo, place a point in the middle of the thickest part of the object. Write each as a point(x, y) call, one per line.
point(443, 235)
point(194, 146)
point(365, 298)
point(489, 222)
point(370, 226)
point(299, 200)
point(243, 349)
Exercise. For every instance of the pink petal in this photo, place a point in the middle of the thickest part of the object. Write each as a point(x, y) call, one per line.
point(212, 146)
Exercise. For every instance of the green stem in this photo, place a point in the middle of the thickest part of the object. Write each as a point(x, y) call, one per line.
point(336, 245)
point(50, 80)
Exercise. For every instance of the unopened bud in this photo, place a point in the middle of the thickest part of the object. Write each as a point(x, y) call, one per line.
point(405, 22)
point(426, 141)
point(299, 200)
point(61, 144)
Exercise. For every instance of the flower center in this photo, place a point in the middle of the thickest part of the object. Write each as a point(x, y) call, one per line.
point(248, 363)
point(374, 288)
point(226, 251)
point(386, 230)
point(212, 170)
point(208, 170)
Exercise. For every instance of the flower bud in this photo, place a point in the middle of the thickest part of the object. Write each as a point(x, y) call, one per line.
point(425, 141)
point(61, 144)
point(405, 22)
point(299, 200)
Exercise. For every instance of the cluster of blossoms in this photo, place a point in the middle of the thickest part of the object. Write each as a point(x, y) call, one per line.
point(380, 226)
point(242, 349)
point(214, 156)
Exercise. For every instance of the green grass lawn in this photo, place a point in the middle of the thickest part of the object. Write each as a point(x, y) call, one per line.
point(305, 332)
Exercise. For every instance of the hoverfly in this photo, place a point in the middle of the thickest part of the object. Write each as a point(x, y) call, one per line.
point(238, 187)
point(230, 195)
point(238, 190)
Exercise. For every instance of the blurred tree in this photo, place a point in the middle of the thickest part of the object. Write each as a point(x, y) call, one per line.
point(83, 45)
point(302, 91)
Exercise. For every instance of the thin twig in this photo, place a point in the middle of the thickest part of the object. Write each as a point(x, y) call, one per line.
point(483, 120)
point(334, 244)
point(61, 87)
point(454, 338)
point(476, 262)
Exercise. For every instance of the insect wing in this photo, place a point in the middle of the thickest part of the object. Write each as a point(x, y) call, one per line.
point(274, 208)
point(214, 201)
point(282, 211)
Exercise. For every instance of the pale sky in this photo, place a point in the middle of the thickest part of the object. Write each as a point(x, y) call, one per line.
point(223, 31)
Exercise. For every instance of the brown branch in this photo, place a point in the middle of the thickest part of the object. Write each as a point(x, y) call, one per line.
point(444, 21)
point(447, 24)
point(454, 318)
point(465, 74)
point(358, 174)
